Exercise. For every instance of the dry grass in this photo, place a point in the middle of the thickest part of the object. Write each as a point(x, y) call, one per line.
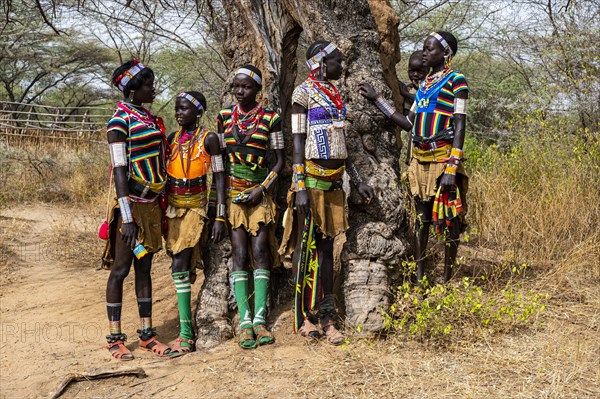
point(54, 174)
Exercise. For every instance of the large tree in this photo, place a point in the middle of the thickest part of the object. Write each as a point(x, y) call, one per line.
point(266, 34)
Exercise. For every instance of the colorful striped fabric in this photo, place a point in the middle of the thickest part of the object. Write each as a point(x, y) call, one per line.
point(308, 292)
point(247, 151)
point(143, 146)
point(440, 109)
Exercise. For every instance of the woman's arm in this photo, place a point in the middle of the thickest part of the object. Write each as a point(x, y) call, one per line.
point(460, 119)
point(405, 122)
point(299, 132)
point(120, 164)
point(214, 149)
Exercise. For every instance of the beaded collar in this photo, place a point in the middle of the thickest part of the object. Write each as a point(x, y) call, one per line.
point(140, 113)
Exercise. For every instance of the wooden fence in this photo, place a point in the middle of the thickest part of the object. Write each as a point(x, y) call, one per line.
point(70, 128)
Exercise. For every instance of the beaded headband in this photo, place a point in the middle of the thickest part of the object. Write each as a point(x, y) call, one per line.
point(315, 61)
point(122, 80)
point(191, 99)
point(252, 74)
point(442, 41)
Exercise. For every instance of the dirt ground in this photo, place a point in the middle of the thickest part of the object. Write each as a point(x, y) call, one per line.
point(52, 317)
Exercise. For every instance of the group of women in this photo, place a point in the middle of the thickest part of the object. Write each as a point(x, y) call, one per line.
point(161, 189)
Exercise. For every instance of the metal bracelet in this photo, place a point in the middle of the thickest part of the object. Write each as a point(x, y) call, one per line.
point(216, 162)
point(276, 139)
point(460, 106)
point(353, 174)
point(298, 123)
point(221, 209)
point(385, 107)
point(126, 215)
point(118, 154)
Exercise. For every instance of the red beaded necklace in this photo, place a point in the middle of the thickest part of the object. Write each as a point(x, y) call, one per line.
point(248, 122)
point(139, 112)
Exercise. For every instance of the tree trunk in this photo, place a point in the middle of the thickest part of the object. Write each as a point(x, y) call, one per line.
point(266, 34)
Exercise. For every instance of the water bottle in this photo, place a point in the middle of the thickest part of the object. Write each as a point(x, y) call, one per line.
point(139, 250)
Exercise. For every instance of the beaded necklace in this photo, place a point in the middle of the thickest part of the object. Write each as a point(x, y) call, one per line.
point(247, 122)
point(140, 113)
point(335, 105)
point(184, 147)
point(432, 80)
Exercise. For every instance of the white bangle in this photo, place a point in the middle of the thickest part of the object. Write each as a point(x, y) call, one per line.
point(216, 162)
point(460, 106)
point(118, 154)
point(298, 123)
point(126, 215)
point(277, 140)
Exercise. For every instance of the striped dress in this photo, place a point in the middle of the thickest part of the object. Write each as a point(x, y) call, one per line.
point(246, 154)
point(435, 107)
point(143, 146)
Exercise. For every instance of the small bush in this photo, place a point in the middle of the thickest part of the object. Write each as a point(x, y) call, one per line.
point(461, 311)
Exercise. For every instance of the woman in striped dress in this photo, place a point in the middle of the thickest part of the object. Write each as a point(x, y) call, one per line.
point(136, 141)
point(248, 130)
point(438, 181)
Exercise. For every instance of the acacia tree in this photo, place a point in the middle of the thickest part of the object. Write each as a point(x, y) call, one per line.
point(266, 34)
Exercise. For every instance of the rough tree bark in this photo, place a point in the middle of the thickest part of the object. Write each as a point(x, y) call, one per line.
point(265, 33)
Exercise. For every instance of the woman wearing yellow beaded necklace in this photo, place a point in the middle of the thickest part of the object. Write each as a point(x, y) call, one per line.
point(192, 150)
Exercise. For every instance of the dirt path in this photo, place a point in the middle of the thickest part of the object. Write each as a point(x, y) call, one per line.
point(53, 322)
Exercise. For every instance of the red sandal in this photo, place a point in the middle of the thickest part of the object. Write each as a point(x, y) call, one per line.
point(148, 342)
point(178, 350)
point(116, 347)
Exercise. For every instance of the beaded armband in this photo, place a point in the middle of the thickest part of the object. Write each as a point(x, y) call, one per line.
point(276, 139)
point(118, 154)
point(126, 215)
point(298, 123)
point(452, 165)
point(385, 107)
point(268, 182)
point(298, 176)
point(353, 174)
point(216, 162)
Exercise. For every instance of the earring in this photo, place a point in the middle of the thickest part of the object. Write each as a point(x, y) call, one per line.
point(447, 62)
point(131, 94)
point(198, 121)
point(323, 70)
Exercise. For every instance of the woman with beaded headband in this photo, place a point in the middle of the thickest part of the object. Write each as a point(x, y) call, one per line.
point(137, 146)
point(247, 130)
point(316, 201)
point(437, 179)
point(192, 150)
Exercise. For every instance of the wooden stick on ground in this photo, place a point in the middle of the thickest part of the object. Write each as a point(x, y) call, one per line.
point(95, 374)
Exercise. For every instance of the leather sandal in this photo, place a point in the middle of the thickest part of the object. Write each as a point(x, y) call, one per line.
point(263, 336)
point(178, 350)
point(309, 330)
point(148, 342)
point(116, 347)
point(333, 336)
point(247, 340)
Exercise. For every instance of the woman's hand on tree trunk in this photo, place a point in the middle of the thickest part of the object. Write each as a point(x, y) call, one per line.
point(366, 192)
point(367, 91)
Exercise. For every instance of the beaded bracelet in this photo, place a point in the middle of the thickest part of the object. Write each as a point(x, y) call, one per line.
point(298, 176)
